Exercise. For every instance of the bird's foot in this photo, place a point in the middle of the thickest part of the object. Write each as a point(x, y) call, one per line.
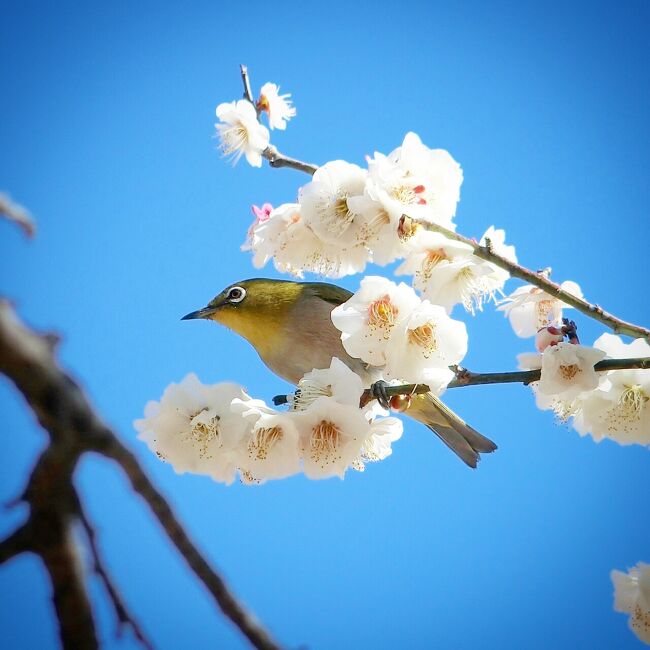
point(378, 391)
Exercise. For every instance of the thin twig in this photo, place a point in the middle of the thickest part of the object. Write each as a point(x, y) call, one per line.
point(271, 153)
point(539, 279)
point(17, 214)
point(124, 619)
point(75, 428)
point(248, 94)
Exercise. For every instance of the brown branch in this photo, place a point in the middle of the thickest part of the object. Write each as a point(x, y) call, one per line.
point(275, 158)
point(20, 541)
point(74, 427)
point(245, 621)
point(541, 280)
point(465, 377)
point(17, 214)
point(124, 619)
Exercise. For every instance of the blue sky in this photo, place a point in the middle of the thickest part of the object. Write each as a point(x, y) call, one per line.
point(106, 127)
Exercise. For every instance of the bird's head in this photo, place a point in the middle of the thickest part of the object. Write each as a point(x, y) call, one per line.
point(256, 309)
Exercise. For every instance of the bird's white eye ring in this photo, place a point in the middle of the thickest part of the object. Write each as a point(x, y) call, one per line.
point(236, 294)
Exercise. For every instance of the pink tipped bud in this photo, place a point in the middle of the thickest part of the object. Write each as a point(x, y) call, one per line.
point(262, 214)
point(548, 336)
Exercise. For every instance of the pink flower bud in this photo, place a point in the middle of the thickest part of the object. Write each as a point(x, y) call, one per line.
point(262, 214)
point(548, 336)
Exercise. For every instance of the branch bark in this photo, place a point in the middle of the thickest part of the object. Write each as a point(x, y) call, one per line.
point(75, 428)
point(540, 280)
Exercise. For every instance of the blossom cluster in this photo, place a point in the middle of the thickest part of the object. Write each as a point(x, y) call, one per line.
point(220, 431)
point(388, 326)
point(239, 129)
point(613, 404)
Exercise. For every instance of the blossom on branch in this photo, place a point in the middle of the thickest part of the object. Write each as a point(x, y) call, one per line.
point(568, 370)
point(278, 107)
point(529, 308)
point(632, 596)
point(378, 444)
point(424, 345)
point(241, 133)
point(620, 408)
point(368, 318)
point(194, 429)
point(417, 181)
point(448, 273)
point(294, 247)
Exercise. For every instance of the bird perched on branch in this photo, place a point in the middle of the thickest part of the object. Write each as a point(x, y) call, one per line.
point(290, 326)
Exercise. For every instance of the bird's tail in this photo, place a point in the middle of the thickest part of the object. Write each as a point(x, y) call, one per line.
point(465, 442)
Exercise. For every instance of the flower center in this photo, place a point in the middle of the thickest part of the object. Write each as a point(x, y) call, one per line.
point(546, 311)
point(325, 443)
point(626, 414)
point(569, 372)
point(408, 195)
point(424, 336)
point(263, 440)
point(204, 429)
point(233, 139)
point(382, 314)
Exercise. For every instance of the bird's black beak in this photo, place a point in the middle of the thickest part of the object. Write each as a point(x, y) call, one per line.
point(200, 313)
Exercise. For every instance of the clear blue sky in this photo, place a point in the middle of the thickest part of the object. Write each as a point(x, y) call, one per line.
point(106, 128)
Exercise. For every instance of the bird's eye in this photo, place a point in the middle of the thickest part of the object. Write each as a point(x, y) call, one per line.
point(236, 294)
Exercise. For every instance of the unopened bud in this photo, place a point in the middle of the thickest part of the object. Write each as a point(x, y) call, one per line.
point(548, 336)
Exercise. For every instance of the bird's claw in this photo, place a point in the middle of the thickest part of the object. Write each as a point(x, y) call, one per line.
point(378, 391)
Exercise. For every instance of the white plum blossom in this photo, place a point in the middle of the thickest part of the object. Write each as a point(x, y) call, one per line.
point(448, 273)
point(278, 107)
point(325, 203)
point(294, 248)
point(424, 345)
point(378, 444)
point(194, 429)
point(271, 448)
point(417, 181)
point(241, 133)
point(367, 319)
point(529, 308)
point(568, 370)
point(620, 408)
point(337, 382)
point(331, 437)
point(632, 596)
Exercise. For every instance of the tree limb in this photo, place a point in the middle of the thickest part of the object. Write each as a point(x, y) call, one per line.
point(540, 279)
point(74, 427)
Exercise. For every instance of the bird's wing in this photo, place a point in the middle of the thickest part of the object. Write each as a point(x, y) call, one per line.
point(328, 292)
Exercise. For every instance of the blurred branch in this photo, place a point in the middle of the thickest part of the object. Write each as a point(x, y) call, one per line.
point(539, 279)
point(275, 158)
point(124, 619)
point(17, 214)
point(63, 410)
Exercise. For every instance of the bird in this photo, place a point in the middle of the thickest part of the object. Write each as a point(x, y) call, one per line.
point(290, 326)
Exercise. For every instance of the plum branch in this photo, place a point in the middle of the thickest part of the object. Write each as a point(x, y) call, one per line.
point(539, 279)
